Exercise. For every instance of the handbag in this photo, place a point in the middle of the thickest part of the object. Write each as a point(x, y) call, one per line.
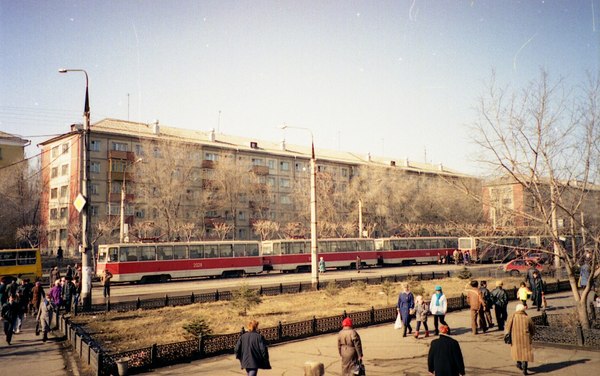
point(398, 322)
point(37, 328)
point(359, 368)
point(508, 338)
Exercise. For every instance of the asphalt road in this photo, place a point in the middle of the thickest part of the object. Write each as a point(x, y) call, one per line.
point(126, 292)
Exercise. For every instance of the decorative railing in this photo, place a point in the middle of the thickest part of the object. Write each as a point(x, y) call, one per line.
point(105, 363)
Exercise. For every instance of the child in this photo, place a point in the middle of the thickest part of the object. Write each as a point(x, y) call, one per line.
point(421, 313)
point(523, 294)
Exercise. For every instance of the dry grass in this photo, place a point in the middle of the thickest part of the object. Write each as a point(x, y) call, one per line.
point(130, 330)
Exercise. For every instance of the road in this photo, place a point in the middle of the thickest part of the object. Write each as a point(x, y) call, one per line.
point(126, 292)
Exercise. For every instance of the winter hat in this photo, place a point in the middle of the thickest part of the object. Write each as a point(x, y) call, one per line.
point(347, 322)
point(438, 288)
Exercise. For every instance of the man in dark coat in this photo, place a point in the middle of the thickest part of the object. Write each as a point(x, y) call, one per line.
point(10, 311)
point(251, 350)
point(445, 357)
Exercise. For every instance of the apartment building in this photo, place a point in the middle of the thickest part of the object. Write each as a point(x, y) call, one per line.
point(116, 146)
point(12, 149)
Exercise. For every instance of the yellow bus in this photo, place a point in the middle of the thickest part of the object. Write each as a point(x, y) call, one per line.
point(26, 262)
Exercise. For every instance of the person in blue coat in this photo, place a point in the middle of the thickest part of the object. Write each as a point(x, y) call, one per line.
point(406, 306)
point(251, 350)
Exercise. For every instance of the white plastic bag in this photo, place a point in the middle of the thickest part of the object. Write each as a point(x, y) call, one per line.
point(398, 322)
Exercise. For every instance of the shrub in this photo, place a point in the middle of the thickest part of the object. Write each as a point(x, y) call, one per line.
point(332, 289)
point(245, 298)
point(415, 286)
point(197, 327)
point(464, 274)
point(387, 287)
point(359, 286)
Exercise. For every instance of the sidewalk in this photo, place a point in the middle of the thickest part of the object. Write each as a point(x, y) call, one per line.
point(387, 353)
point(28, 355)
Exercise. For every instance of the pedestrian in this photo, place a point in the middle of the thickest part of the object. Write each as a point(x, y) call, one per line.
point(10, 310)
point(22, 303)
point(406, 308)
point(37, 295)
point(455, 256)
point(421, 313)
point(349, 347)
point(358, 264)
point(537, 289)
point(68, 293)
point(445, 357)
point(105, 281)
point(54, 276)
point(44, 316)
point(487, 303)
point(500, 299)
point(522, 330)
point(476, 306)
point(77, 284)
point(438, 306)
point(69, 272)
point(584, 275)
point(321, 265)
point(59, 256)
point(56, 299)
point(252, 351)
point(3, 292)
point(467, 257)
point(523, 293)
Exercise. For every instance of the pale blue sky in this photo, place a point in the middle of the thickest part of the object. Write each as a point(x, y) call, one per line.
point(392, 78)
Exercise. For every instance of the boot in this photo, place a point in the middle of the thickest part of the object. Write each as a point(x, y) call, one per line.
point(525, 368)
point(404, 331)
point(417, 334)
point(426, 333)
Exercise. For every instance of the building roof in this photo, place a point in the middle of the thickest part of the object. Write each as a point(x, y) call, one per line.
point(11, 139)
point(220, 140)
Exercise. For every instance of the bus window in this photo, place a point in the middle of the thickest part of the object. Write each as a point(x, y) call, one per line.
point(196, 251)
point(225, 250)
point(113, 254)
point(211, 251)
point(26, 258)
point(179, 252)
point(239, 250)
point(251, 249)
point(8, 258)
point(148, 253)
point(164, 252)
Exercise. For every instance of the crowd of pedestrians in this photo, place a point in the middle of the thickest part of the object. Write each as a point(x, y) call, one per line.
point(20, 298)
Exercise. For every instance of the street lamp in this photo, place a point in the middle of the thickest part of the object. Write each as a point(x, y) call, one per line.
point(313, 209)
point(86, 254)
point(122, 223)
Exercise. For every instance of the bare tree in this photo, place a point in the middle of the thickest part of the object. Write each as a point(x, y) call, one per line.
point(222, 229)
point(104, 229)
point(265, 229)
point(544, 139)
point(31, 234)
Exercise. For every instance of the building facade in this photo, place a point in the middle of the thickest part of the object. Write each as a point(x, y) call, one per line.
point(12, 149)
point(119, 150)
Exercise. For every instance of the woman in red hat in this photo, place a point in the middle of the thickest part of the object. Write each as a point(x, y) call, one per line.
point(349, 347)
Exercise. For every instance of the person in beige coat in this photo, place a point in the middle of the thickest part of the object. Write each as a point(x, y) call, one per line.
point(349, 347)
point(522, 329)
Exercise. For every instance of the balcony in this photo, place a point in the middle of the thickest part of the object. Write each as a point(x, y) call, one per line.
point(117, 175)
point(124, 155)
point(116, 197)
point(260, 170)
point(208, 164)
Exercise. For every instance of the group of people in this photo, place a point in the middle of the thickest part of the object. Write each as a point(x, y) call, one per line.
point(410, 306)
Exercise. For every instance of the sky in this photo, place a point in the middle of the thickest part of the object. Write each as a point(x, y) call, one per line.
point(392, 78)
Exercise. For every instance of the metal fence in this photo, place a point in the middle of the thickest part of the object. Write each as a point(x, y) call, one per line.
point(155, 356)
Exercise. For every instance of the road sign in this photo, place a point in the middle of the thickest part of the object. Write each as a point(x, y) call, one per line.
point(79, 202)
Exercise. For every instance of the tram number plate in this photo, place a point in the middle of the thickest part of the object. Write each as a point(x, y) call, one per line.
point(197, 265)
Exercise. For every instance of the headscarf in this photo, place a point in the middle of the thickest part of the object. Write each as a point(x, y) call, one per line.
point(438, 295)
point(520, 307)
point(347, 322)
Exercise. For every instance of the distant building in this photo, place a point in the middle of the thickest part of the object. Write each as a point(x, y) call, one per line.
point(12, 149)
point(115, 144)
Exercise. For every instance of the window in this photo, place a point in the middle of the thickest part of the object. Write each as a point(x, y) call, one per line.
point(241, 215)
point(93, 189)
point(64, 169)
point(196, 251)
point(63, 234)
point(54, 193)
point(118, 166)
point(93, 210)
point(63, 191)
point(139, 150)
point(271, 181)
point(344, 172)
point(65, 148)
point(164, 252)
point(156, 152)
point(285, 199)
point(52, 236)
point(258, 162)
point(119, 146)
point(284, 166)
point(54, 172)
point(271, 164)
point(53, 214)
point(148, 253)
point(115, 187)
point(55, 152)
point(95, 167)
point(63, 212)
point(284, 183)
point(299, 167)
point(210, 157)
point(94, 145)
point(140, 213)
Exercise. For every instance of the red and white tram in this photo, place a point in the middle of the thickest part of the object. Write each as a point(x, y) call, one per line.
point(162, 261)
point(294, 255)
point(407, 251)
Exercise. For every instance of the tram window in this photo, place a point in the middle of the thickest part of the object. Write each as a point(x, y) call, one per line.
point(225, 250)
point(102, 255)
point(179, 252)
point(411, 244)
point(334, 247)
point(297, 248)
point(251, 249)
point(324, 247)
point(239, 250)
point(211, 251)
point(164, 252)
point(8, 258)
point(26, 258)
point(113, 254)
point(128, 254)
point(396, 245)
point(403, 244)
point(196, 251)
point(148, 253)
point(277, 248)
point(366, 245)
